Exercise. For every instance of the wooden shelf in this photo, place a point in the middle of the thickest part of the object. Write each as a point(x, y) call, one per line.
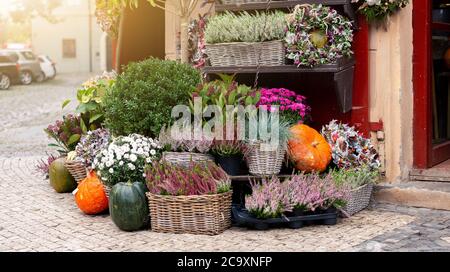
point(276, 4)
point(348, 9)
point(341, 65)
point(343, 72)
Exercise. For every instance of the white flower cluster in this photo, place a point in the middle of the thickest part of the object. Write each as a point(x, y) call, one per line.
point(125, 158)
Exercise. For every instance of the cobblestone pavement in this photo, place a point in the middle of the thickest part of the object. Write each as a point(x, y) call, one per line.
point(35, 218)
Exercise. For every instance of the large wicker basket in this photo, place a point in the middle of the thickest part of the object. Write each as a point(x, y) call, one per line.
point(203, 214)
point(77, 170)
point(184, 159)
point(270, 53)
point(359, 199)
point(265, 162)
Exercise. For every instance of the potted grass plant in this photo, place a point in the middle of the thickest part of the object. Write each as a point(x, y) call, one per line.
point(229, 155)
point(246, 39)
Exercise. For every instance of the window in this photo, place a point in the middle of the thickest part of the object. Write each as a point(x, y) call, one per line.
point(69, 48)
point(28, 55)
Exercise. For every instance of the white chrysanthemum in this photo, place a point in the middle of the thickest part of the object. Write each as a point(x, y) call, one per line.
point(133, 158)
point(148, 160)
point(121, 163)
point(153, 152)
point(131, 166)
point(111, 171)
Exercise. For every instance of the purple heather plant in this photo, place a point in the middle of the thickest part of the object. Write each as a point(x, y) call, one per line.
point(292, 107)
point(198, 179)
point(272, 198)
point(183, 145)
point(91, 144)
point(43, 165)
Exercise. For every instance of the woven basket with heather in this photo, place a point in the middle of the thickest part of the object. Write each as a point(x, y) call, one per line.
point(360, 181)
point(194, 200)
point(182, 151)
point(246, 39)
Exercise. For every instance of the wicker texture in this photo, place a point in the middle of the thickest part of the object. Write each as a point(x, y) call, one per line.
point(77, 170)
point(107, 190)
point(246, 54)
point(203, 214)
point(359, 199)
point(262, 162)
point(184, 159)
point(237, 2)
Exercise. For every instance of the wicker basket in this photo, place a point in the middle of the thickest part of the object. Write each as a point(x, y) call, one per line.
point(77, 170)
point(238, 2)
point(262, 162)
point(246, 54)
point(204, 214)
point(185, 158)
point(107, 190)
point(359, 199)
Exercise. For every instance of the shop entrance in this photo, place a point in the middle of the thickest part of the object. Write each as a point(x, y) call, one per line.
point(431, 22)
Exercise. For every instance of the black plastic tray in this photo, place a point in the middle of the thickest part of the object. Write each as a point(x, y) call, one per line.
point(242, 218)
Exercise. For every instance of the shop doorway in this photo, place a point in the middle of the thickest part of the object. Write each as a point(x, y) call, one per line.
point(431, 23)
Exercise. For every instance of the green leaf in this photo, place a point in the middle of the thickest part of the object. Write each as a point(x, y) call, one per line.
point(95, 117)
point(73, 139)
point(248, 101)
point(65, 103)
point(83, 126)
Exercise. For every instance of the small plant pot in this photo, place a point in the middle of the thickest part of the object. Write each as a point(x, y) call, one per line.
point(230, 164)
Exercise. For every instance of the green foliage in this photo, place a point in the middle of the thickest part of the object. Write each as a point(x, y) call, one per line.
point(245, 27)
point(90, 100)
point(142, 99)
point(355, 177)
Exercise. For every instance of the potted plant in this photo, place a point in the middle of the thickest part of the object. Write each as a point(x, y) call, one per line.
point(194, 200)
point(298, 200)
point(229, 155)
point(79, 162)
point(266, 156)
point(125, 158)
point(184, 151)
point(360, 181)
point(246, 39)
point(378, 11)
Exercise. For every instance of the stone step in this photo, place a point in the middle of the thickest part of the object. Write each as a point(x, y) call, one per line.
point(438, 173)
point(432, 195)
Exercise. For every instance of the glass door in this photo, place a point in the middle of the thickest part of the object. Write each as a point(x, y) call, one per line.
point(440, 80)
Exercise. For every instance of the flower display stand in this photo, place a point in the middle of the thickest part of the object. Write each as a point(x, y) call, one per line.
point(342, 70)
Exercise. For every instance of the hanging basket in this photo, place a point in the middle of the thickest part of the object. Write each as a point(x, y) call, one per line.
point(359, 199)
point(184, 159)
point(77, 170)
point(246, 54)
point(198, 214)
point(262, 162)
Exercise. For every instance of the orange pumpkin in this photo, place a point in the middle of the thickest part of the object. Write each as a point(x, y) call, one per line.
point(90, 196)
point(308, 149)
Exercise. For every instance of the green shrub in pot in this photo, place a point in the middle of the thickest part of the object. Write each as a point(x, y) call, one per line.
point(143, 96)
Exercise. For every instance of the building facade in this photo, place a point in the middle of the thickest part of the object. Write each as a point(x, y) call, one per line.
point(75, 42)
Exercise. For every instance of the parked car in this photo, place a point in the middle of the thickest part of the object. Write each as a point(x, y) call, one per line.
point(30, 68)
point(47, 66)
point(9, 70)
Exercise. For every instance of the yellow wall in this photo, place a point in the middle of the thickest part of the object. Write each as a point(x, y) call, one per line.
point(391, 92)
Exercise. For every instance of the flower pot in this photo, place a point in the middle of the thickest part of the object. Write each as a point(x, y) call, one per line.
point(232, 165)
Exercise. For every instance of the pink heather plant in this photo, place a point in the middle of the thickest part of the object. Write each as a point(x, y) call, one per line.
point(199, 179)
point(291, 105)
point(272, 198)
point(268, 200)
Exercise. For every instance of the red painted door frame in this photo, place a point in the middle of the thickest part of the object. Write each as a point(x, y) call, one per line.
point(425, 154)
